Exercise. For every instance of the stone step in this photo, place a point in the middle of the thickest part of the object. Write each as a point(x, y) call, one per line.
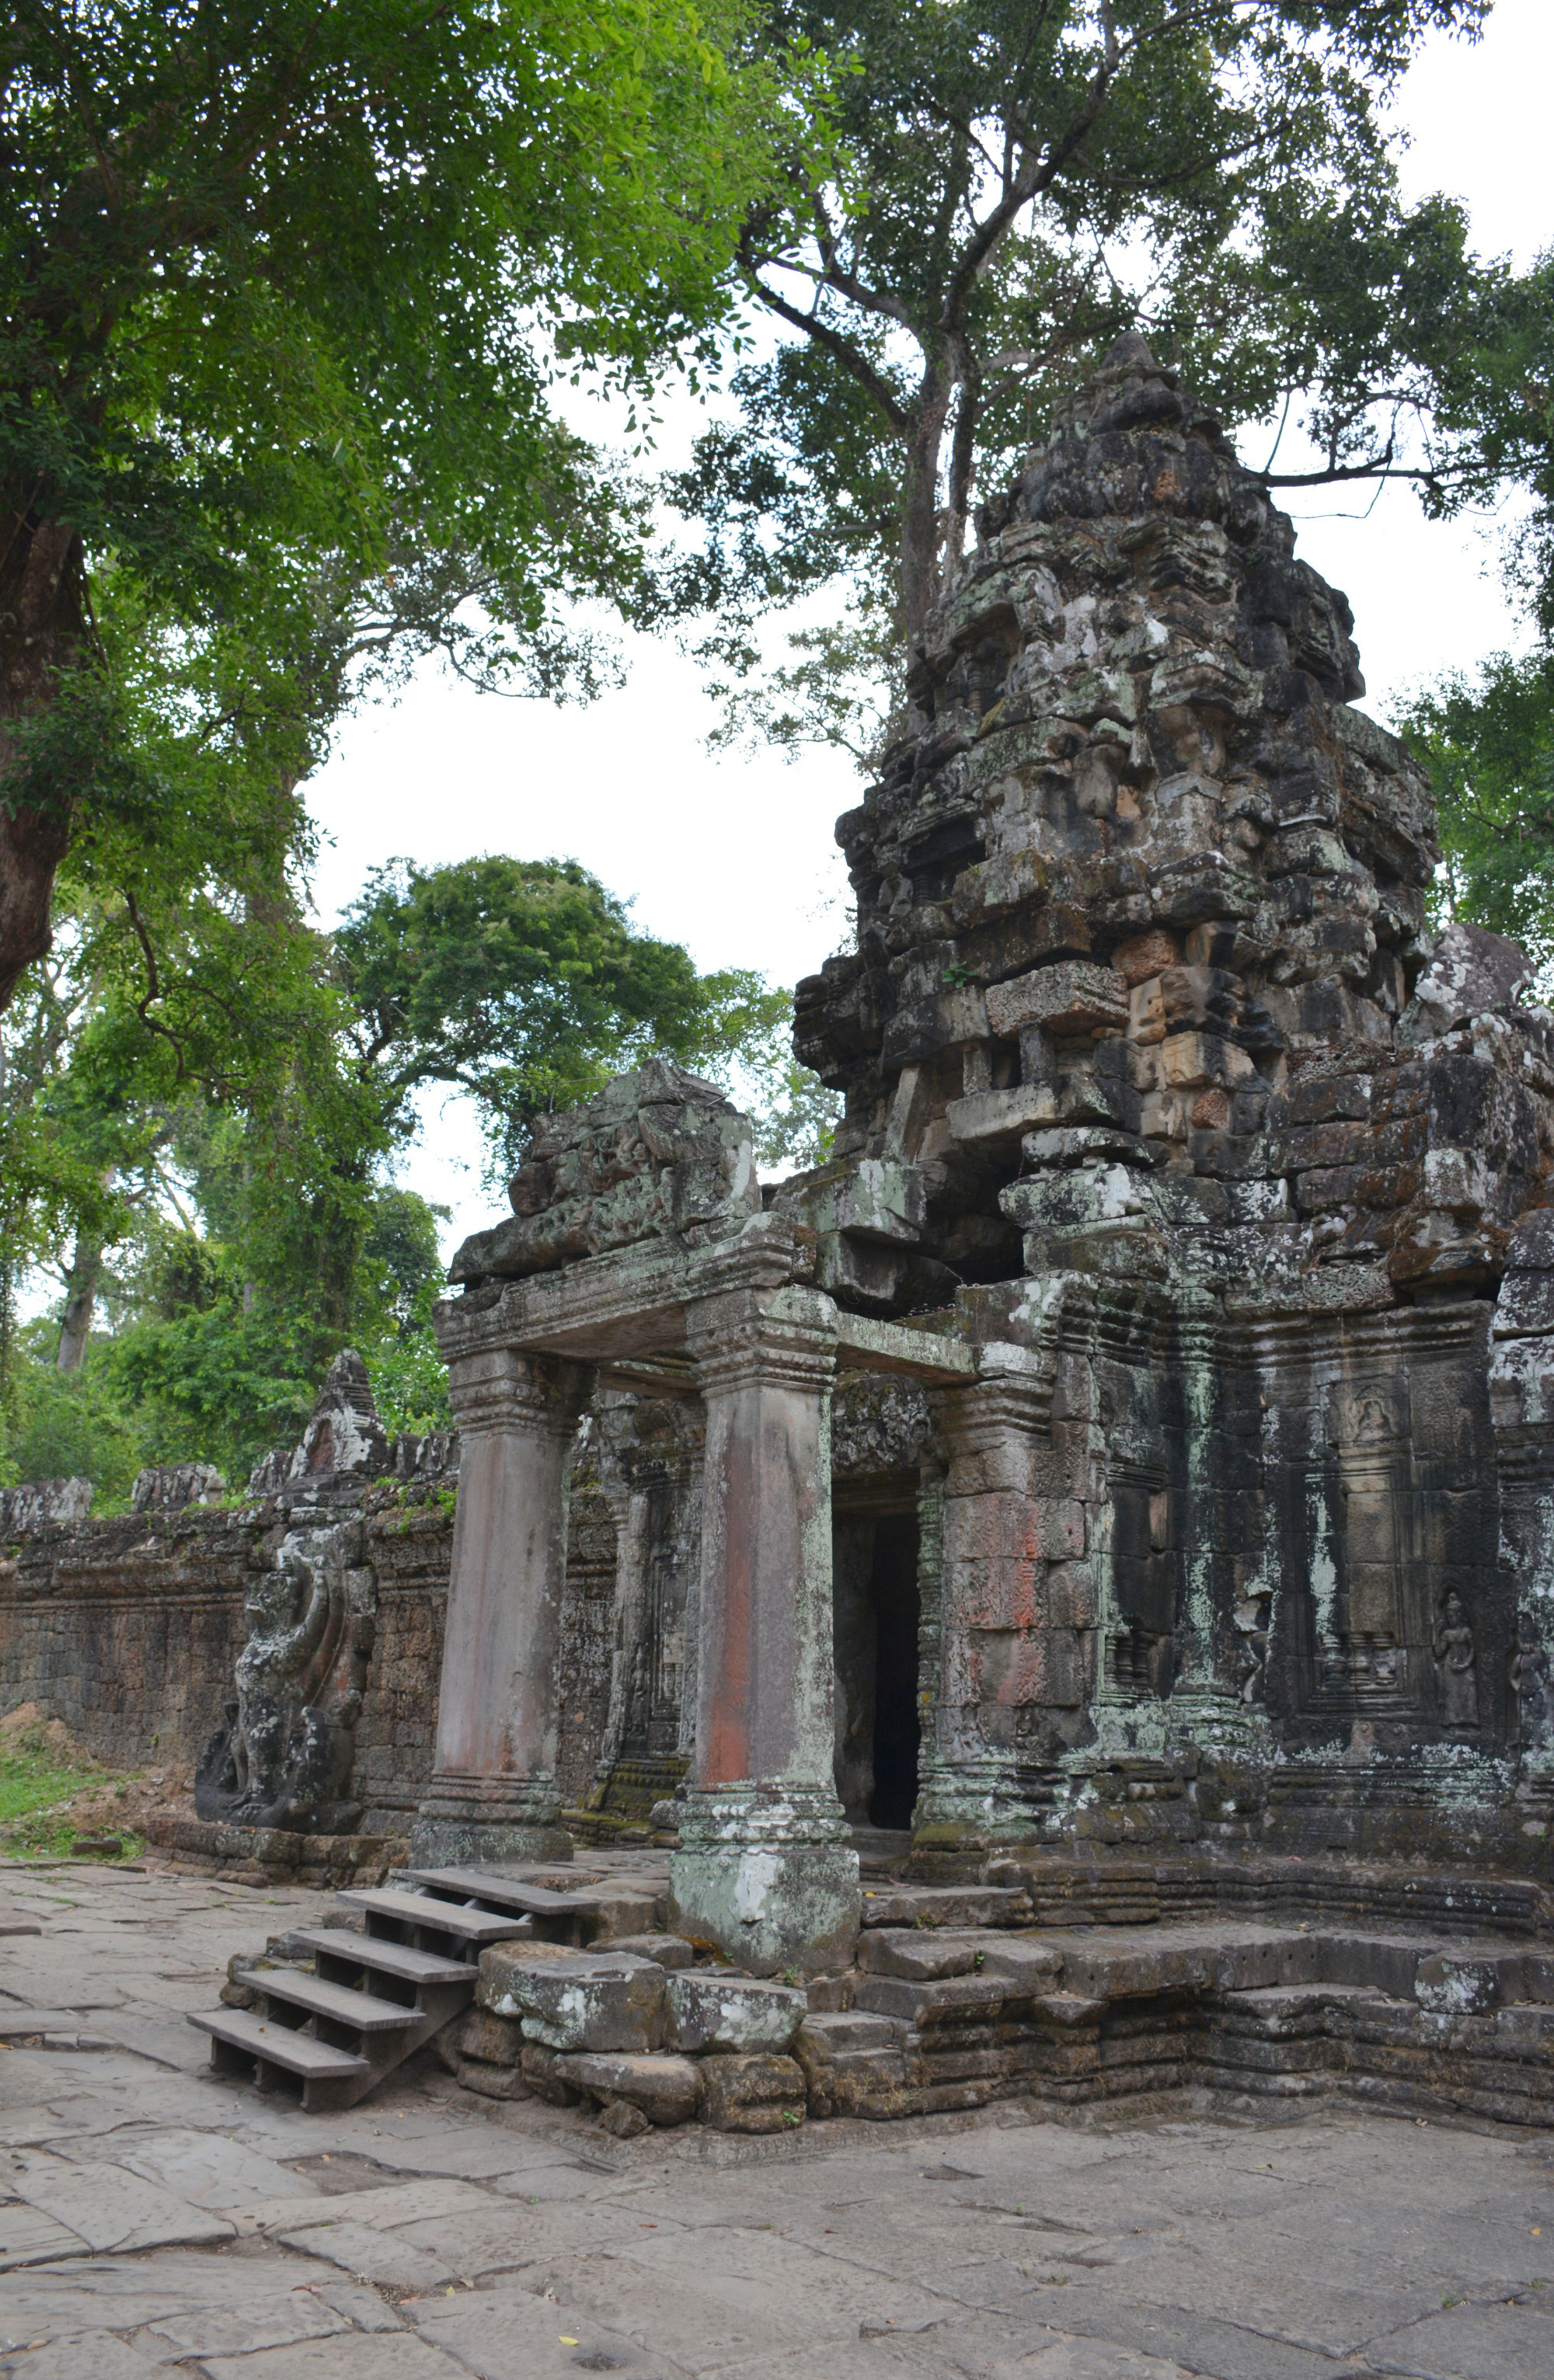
point(337, 2002)
point(472, 1925)
point(375, 1955)
point(488, 1887)
point(277, 2045)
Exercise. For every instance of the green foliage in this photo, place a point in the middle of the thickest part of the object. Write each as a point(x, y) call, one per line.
point(525, 983)
point(1490, 748)
point(79, 1425)
point(1009, 189)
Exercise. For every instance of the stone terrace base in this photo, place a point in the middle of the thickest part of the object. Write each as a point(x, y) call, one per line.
point(259, 1856)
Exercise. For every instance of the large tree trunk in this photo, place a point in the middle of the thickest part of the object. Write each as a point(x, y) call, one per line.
point(920, 504)
point(42, 631)
point(81, 1284)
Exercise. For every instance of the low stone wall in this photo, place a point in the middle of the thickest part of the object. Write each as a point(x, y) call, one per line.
point(126, 1632)
point(129, 1631)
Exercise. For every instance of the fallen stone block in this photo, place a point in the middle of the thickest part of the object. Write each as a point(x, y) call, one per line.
point(541, 2070)
point(733, 2012)
point(588, 2002)
point(752, 2094)
point(623, 2120)
point(666, 2089)
point(670, 1951)
point(499, 2040)
point(492, 2082)
point(623, 1910)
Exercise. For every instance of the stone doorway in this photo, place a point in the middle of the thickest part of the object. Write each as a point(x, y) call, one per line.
point(876, 1605)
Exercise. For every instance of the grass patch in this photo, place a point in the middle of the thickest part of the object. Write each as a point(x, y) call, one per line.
point(34, 1781)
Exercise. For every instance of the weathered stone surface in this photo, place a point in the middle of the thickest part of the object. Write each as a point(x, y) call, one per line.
point(44, 1504)
point(667, 1950)
point(757, 2093)
point(658, 1153)
point(284, 1753)
point(733, 2012)
point(492, 2079)
point(1468, 971)
point(497, 2039)
point(587, 2002)
point(920, 1953)
point(666, 2089)
point(172, 1487)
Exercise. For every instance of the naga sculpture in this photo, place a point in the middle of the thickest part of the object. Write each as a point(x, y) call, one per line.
point(282, 1756)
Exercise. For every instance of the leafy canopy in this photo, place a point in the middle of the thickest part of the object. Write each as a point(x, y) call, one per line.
point(1016, 186)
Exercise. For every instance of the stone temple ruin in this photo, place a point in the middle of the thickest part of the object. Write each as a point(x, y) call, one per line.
point(1116, 1490)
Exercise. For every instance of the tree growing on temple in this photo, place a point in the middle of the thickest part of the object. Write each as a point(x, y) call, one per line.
point(1014, 186)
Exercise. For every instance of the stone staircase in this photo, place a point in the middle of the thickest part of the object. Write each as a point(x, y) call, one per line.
point(346, 2008)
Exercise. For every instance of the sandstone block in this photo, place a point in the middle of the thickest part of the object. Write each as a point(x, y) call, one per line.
point(666, 2089)
point(624, 1910)
point(953, 1999)
point(1075, 996)
point(922, 1954)
point(1020, 1966)
point(733, 2012)
point(490, 2080)
point(752, 2094)
point(497, 2039)
point(1191, 1060)
point(951, 1905)
point(541, 2070)
point(668, 1951)
point(590, 2001)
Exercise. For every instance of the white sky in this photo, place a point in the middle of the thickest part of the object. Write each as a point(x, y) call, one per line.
point(734, 857)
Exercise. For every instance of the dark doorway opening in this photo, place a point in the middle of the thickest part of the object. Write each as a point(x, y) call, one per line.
point(897, 1735)
point(878, 1735)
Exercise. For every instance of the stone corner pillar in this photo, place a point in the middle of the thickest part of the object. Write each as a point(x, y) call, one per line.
point(492, 1794)
point(766, 1869)
point(998, 1657)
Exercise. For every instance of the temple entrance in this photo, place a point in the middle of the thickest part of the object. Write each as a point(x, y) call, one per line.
point(876, 1607)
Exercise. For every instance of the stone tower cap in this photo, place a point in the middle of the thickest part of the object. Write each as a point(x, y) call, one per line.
point(1132, 351)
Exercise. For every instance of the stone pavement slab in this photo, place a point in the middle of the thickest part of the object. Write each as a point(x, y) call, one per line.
point(506, 2333)
point(90, 2355)
point(1470, 2342)
point(108, 2208)
point(236, 2236)
point(402, 2358)
point(203, 2167)
point(387, 2261)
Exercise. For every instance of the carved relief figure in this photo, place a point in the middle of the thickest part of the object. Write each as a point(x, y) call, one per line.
point(1458, 1661)
point(1527, 1677)
point(283, 1755)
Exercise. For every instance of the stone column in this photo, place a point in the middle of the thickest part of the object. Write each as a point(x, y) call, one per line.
point(765, 1869)
point(494, 1793)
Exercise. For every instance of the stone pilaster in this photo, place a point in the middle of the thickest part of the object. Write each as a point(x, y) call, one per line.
point(494, 1793)
point(1001, 1658)
point(765, 1869)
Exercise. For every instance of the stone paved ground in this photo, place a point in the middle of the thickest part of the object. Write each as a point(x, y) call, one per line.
point(156, 2220)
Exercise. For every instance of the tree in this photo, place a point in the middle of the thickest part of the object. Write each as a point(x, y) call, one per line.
point(524, 983)
point(1490, 748)
point(1020, 183)
point(279, 289)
